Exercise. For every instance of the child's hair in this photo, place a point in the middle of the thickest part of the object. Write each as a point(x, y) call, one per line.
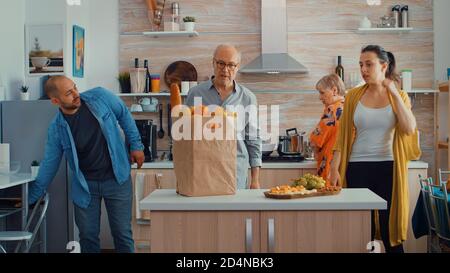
point(330, 81)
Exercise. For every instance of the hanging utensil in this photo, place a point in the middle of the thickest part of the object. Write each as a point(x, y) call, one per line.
point(169, 126)
point(161, 132)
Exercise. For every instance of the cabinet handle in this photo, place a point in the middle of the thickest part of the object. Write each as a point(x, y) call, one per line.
point(158, 177)
point(143, 245)
point(271, 235)
point(248, 235)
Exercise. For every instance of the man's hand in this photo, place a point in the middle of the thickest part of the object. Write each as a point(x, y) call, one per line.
point(137, 157)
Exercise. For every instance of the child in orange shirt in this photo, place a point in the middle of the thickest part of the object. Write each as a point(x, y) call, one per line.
point(322, 139)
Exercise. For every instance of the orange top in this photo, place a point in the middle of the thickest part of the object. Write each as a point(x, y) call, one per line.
point(324, 136)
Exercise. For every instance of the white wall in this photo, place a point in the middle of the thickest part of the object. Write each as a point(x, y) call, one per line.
point(442, 62)
point(103, 67)
point(441, 39)
point(12, 52)
point(104, 45)
point(80, 16)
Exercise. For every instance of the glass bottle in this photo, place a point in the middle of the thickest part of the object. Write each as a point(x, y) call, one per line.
point(340, 69)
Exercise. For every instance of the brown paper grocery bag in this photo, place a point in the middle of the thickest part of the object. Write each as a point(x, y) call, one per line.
point(206, 167)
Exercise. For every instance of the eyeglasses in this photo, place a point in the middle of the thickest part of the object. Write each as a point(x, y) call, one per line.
point(222, 65)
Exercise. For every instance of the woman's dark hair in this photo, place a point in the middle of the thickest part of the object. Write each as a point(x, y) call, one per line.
point(385, 57)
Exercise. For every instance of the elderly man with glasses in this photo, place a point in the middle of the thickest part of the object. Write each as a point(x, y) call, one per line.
point(222, 90)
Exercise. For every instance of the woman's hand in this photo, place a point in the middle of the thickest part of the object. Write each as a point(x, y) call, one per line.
point(334, 177)
point(390, 86)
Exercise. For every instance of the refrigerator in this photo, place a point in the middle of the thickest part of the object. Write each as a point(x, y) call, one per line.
point(24, 126)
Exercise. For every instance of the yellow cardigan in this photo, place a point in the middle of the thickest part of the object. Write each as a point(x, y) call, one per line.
point(406, 148)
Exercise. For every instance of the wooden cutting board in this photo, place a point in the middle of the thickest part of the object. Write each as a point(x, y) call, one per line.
point(297, 196)
point(180, 71)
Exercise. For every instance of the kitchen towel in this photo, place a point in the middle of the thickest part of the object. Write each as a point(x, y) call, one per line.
point(4, 158)
point(139, 192)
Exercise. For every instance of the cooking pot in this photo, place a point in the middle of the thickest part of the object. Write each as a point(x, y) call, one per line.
point(292, 143)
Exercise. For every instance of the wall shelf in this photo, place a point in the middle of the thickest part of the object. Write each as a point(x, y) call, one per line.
point(162, 34)
point(131, 95)
point(423, 91)
point(383, 30)
point(443, 87)
point(443, 145)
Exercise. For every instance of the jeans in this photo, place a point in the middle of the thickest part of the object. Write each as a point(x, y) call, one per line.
point(118, 202)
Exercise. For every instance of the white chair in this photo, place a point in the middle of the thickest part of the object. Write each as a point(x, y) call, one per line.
point(27, 235)
point(442, 179)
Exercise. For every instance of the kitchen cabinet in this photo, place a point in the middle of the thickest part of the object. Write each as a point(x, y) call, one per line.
point(315, 231)
point(413, 245)
point(247, 223)
point(261, 232)
point(205, 232)
point(154, 179)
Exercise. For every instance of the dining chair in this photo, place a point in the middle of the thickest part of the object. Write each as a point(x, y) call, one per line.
point(32, 226)
point(440, 213)
point(442, 179)
point(433, 239)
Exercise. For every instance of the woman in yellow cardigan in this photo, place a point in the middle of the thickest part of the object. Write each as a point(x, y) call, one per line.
point(377, 138)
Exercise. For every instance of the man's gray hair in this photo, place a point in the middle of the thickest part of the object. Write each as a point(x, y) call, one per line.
point(222, 46)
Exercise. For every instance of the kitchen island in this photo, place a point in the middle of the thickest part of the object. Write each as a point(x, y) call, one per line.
point(250, 223)
point(161, 174)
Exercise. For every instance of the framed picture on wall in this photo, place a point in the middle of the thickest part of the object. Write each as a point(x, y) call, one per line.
point(45, 49)
point(78, 51)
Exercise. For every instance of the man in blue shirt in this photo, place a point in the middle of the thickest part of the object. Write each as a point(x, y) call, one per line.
point(86, 130)
point(223, 90)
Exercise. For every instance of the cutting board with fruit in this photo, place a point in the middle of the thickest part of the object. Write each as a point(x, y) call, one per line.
point(304, 187)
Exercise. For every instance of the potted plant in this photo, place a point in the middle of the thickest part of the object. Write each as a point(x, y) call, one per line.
point(189, 23)
point(34, 168)
point(24, 94)
point(125, 83)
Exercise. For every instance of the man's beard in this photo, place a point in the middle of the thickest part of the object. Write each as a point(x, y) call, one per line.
point(69, 107)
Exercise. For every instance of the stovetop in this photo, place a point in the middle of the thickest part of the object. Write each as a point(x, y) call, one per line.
point(284, 158)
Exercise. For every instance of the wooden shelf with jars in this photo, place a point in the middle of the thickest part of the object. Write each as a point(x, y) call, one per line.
point(162, 94)
point(383, 30)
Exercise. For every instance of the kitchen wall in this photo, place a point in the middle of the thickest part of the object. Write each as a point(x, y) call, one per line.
point(318, 31)
point(12, 16)
point(442, 53)
point(104, 44)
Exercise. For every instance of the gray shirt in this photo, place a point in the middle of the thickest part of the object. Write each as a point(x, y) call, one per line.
point(374, 134)
point(248, 146)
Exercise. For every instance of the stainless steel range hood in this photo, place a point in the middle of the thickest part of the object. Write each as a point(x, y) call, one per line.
point(275, 58)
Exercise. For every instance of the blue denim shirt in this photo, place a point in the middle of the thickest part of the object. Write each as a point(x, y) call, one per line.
point(110, 111)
